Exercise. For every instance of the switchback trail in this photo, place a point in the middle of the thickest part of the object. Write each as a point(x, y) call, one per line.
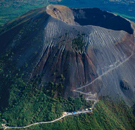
point(100, 76)
point(78, 112)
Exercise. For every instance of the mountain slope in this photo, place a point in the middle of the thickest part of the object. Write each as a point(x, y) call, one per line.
point(55, 59)
point(75, 47)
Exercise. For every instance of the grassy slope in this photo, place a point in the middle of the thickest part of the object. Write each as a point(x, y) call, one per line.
point(27, 104)
point(23, 104)
point(107, 115)
point(10, 10)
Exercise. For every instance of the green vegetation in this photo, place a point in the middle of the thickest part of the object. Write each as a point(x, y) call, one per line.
point(107, 115)
point(78, 43)
point(24, 103)
point(10, 10)
point(54, 89)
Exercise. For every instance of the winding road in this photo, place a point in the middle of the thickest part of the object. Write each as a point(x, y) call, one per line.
point(73, 113)
point(78, 112)
point(99, 77)
point(47, 122)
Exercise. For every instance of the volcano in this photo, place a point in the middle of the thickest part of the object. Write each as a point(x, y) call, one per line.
point(91, 51)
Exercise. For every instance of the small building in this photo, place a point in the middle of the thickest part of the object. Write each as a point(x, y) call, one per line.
point(90, 109)
point(65, 113)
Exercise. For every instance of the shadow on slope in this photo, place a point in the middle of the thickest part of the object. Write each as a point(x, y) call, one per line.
point(101, 18)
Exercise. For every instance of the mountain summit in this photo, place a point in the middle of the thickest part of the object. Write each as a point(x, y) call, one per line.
point(86, 51)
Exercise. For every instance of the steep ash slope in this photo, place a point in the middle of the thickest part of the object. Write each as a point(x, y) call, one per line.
point(76, 47)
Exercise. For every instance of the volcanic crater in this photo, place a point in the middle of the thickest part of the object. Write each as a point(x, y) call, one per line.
point(89, 51)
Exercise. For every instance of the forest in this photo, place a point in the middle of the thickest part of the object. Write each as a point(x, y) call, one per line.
point(25, 103)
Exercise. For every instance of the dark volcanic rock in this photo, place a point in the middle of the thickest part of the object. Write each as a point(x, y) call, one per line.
point(101, 18)
point(126, 89)
point(92, 49)
point(124, 85)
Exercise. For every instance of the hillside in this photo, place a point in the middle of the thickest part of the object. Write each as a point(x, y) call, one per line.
point(11, 9)
point(40, 45)
point(56, 59)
